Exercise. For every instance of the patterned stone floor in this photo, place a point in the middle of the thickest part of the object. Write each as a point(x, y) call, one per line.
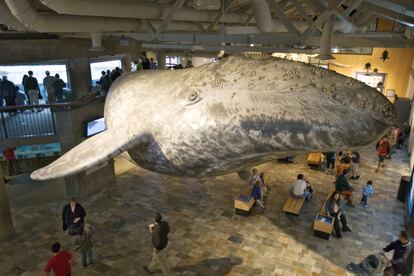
point(206, 237)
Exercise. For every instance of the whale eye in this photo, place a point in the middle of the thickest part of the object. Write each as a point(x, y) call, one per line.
point(193, 96)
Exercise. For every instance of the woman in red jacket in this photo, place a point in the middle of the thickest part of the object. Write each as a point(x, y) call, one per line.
point(383, 149)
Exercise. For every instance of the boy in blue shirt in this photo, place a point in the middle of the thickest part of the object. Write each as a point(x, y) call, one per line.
point(367, 190)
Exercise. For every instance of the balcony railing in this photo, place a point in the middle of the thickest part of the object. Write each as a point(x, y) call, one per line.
point(27, 121)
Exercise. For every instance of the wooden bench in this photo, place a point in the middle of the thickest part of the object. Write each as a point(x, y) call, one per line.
point(293, 205)
point(243, 204)
point(314, 160)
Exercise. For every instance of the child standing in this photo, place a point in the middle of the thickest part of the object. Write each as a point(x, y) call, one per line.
point(84, 244)
point(367, 190)
point(256, 194)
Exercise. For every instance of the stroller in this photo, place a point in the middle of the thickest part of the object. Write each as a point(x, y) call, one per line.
point(374, 264)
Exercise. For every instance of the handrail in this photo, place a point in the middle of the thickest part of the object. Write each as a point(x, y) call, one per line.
point(75, 104)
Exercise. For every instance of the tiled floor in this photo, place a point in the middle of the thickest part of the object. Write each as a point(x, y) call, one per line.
point(206, 237)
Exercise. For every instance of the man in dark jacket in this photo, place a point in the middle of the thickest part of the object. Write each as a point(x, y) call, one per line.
point(73, 216)
point(159, 232)
point(146, 64)
point(402, 259)
point(32, 87)
point(8, 90)
point(342, 185)
point(58, 86)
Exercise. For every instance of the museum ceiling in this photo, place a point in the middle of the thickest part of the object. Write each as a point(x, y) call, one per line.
point(211, 25)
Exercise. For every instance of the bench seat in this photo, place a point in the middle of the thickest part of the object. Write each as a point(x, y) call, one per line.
point(293, 205)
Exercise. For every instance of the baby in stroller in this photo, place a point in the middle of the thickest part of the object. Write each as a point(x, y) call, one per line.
point(375, 264)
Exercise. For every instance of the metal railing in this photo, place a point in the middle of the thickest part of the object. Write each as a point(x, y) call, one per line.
point(26, 121)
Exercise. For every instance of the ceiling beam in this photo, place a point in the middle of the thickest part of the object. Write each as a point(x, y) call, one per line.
point(315, 6)
point(388, 5)
point(409, 4)
point(227, 48)
point(26, 51)
point(302, 11)
point(355, 4)
point(147, 24)
point(170, 15)
point(372, 39)
point(220, 14)
point(390, 15)
point(199, 26)
point(248, 19)
point(285, 20)
point(321, 17)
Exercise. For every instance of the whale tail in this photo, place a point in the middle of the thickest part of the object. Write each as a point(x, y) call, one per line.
point(90, 153)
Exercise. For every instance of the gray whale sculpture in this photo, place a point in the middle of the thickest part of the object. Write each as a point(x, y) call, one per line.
point(227, 116)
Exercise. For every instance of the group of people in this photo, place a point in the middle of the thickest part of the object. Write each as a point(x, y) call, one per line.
point(337, 162)
point(108, 77)
point(73, 221)
point(11, 94)
point(144, 63)
point(335, 205)
point(54, 88)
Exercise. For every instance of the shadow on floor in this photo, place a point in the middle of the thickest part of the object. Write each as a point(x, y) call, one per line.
point(24, 191)
point(217, 266)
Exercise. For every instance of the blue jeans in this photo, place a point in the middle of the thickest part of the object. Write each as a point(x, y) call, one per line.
point(306, 195)
point(330, 163)
point(364, 199)
point(87, 257)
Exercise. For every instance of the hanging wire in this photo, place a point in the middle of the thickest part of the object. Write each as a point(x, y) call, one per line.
point(221, 52)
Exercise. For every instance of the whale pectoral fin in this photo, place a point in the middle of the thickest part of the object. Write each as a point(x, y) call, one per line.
point(244, 174)
point(94, 151)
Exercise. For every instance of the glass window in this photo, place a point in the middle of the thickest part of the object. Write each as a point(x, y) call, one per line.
point(98, 67)
point(15, 73)
point(171, 62)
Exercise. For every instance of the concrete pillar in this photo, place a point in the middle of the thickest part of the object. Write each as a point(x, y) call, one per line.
point(79, 73)
point(70, 128)
point(7, 231)
point(126, 63)
point(161, 58)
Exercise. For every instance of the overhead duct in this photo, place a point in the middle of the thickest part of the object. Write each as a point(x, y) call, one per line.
point(263, 16)
point(326, 41)
point(266, 23)
point(36, 21)
point(7, 18)
point(278, 27)
point(96, 42)
point(136, 9)
point(344, 26)
point(206, 4)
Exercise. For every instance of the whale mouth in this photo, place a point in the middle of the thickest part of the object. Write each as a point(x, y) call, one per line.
point(90, 153)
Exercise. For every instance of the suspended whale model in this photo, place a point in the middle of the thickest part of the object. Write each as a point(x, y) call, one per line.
point(227, 116)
